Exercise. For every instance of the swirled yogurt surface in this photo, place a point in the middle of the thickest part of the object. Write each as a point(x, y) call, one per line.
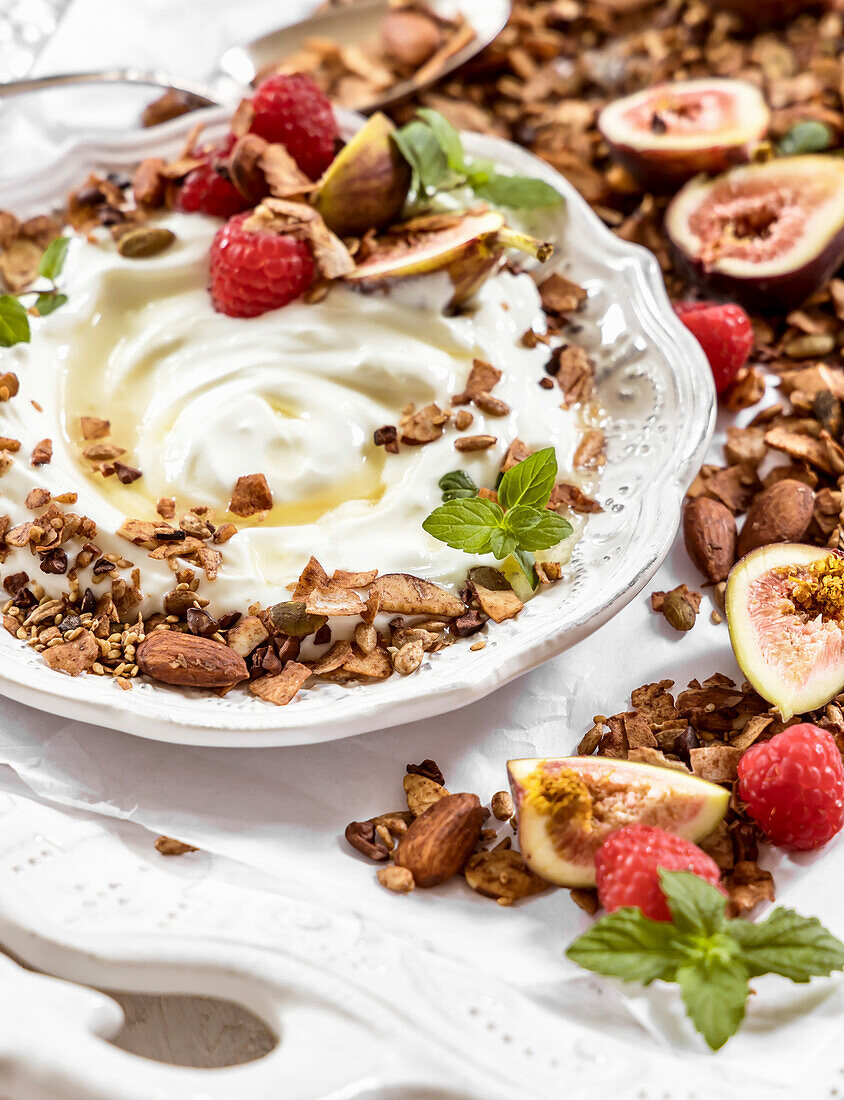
point(198, 399)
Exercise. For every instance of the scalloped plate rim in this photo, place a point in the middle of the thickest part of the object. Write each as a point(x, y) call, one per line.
point(158, 717)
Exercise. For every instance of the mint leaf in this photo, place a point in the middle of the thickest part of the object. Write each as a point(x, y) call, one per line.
point(517, 192)
point(537, 528)
point(810, 136)
point(14, 323)
point(447, 137)
point(785, 943)
point(715, 994)
point(627, 945)
point(465, 524)
point(529, 481)
point(480, 171)
point(48, 301)
point(457, 485)
point(696, 907)
point(52, 261)
point(428, 163)
point(526, 563)
point(502, 543)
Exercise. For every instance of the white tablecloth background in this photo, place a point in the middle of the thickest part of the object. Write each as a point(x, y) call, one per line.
point(283, 810)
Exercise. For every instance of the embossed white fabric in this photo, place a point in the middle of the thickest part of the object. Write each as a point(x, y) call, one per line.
point(284, 810)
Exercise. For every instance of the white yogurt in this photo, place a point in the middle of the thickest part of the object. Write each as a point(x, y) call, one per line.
point(198, 398)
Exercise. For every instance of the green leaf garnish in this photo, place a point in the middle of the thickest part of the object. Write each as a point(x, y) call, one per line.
point(14, 323)
point(49, 301)
point(517, 192)
point(526, 563)
point(715, 994)
point(811, 136)
point(796, 947)
point(457, 485)
point(537, 528)
point(52, 261)
point(519, 524)
point(530, 481)
point(419, 146)
point(466, 524)
point(434, 151)
point(709, 957)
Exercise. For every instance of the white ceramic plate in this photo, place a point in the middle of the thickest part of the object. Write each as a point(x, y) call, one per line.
point(656, 387)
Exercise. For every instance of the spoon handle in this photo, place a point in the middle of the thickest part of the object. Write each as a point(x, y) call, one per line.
point(108, 76)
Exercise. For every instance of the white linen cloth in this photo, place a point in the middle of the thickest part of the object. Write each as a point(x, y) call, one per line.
point(283, 811)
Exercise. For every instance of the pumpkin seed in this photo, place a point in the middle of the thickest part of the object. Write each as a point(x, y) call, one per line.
point(810, 136)
point(146, 240)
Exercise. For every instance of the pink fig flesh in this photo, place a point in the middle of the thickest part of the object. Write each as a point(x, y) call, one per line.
point(669, 133)
point(767, 235)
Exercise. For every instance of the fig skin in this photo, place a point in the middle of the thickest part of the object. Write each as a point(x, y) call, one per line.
point(549, 861)
point(808, 688)
point(709, 531)
point(366, 184)
point(663, 161)
point(778, 514)
point(764, 287)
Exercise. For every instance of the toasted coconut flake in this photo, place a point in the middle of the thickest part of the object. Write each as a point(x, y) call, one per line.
point(335, 658)
point(331, 601)
point(590, 453)
point(493, 592)
point(19, 264)
point(423, 426)
point(343, 578)
point(413, 596)
point(284, 177)
point(283, 686)
point(564, 495)
point(482, 378)
point(73, 657)
point(312, 576)
point(574, 373)
point(251, 495)
point(94, 428)
point(517, 452)
point(717, 763)
point(299, 220)
point(375, 665)
point(560, 295)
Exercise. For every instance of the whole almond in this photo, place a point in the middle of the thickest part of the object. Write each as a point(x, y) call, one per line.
point(409, 37)
point(188, 660)
point(440, 841)
point(709, 530)
point(778, 514)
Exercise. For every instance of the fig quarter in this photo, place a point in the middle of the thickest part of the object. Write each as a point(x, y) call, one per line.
point(188, 660)
point(778, 514)
point(440, 841)
point(709, 531)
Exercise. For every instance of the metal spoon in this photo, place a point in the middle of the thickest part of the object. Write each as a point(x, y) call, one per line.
point(237, 68)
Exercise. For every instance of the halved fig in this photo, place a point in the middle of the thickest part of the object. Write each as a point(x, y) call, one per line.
point(670, 132)
point(568, 806)
point(785, 611)
point(766, 234)
point(366, 184)
point(467, 246)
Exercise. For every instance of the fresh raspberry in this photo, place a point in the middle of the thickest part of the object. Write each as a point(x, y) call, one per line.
point(794, 787)
point(207, 189)
point(725, 334)
point(254, 272)
point(291, 109)
point(627, 863)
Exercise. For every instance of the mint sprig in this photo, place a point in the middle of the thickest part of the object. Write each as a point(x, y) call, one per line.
point(433, 149)
point(14, 321)
point(457, 485)
point(518, 525)
point(712, 959)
